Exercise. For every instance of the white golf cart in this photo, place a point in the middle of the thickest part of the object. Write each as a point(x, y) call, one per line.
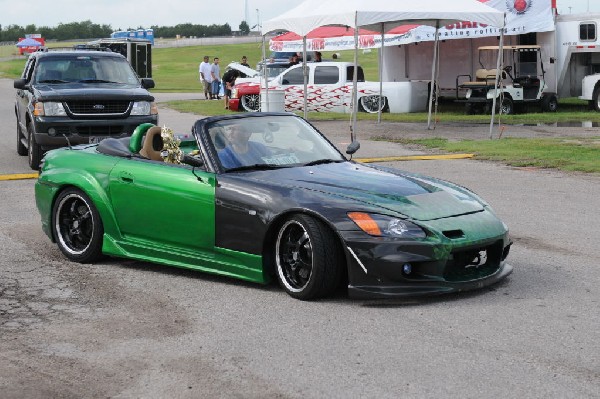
point(521, 82)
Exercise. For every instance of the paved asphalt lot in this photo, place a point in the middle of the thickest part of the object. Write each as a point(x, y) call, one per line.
point(130, 329)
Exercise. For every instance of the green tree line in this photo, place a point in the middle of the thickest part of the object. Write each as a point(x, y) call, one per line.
point(89, 30)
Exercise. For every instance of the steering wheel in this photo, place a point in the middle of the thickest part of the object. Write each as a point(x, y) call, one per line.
point(508, 69)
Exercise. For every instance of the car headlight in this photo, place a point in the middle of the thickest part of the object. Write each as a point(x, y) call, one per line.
point(49, 109)
point(386, 226)
point(144, 108)
point(234, 93)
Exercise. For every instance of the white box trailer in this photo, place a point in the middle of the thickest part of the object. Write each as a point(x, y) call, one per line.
point(569, 54)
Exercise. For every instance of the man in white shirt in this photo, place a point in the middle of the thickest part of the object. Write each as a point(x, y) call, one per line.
point(205, 77)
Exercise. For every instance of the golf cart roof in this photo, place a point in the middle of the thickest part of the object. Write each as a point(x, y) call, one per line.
point(512, 48)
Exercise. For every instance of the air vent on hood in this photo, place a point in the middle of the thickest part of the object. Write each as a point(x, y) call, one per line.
point(454, 234)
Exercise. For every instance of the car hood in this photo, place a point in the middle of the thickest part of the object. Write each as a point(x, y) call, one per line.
point(106, 91)
point(415, 196)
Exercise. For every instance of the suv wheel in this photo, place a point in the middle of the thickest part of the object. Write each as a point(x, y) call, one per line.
point(35, 151)
point(21, 148)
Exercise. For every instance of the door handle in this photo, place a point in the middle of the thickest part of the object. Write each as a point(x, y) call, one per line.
point(126, 177)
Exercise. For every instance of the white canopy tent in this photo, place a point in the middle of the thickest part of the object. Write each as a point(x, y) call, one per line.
point(381, 15)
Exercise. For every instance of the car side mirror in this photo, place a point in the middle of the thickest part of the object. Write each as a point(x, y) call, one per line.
point(20, 84)
point(147, 83)
point(352, 147)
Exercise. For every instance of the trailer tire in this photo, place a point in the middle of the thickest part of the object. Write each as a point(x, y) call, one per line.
point(469, 109)
point(596, 98)
point(549, 103)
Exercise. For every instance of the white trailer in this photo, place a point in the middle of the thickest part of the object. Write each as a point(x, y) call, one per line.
point(570, 53)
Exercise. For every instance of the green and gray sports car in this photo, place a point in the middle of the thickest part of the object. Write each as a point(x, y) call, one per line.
point(265, 196)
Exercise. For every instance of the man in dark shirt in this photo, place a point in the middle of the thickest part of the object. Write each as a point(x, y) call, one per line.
point(229, 78)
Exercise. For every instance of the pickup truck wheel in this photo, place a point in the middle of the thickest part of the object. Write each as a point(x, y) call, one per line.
point(21, 148)
point(371, 104)
point(35, 151)
point(596, 99)
point(250, 102)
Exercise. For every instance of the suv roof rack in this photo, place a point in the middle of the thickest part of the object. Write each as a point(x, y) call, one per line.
point(75, 47)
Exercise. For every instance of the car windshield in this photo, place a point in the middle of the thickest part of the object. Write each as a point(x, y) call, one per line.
point(269, 142)
point(86, 69)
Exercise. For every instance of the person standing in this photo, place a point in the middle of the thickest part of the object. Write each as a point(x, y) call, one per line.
point(215, 74)
point(229, 78)
point(205, 77)
point(244, 63)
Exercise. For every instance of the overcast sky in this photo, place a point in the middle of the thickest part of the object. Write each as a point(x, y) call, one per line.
point(125, 14)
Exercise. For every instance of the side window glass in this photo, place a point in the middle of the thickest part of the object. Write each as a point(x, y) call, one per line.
point(587, 32)
point(293, 77)
point(350, 74)
point(327, 75)
point(28, 71)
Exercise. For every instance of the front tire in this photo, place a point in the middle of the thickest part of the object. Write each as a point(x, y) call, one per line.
point(21, 148)
point(250, 102)
point(34, 151)
point(77, 227)
point(307, 258)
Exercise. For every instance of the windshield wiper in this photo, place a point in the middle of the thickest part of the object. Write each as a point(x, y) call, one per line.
point(96, 81)
point(257, 166)
point(52, 81)
point(323, 161)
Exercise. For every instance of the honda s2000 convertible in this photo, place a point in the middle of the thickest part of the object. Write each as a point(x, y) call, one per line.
point(265, 196)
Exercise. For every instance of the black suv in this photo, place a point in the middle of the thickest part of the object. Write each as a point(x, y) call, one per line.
point(78, 96)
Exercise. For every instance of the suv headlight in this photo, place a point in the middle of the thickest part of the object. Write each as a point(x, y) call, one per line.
point(386, 226)
point(49, 109)
point(144, 108)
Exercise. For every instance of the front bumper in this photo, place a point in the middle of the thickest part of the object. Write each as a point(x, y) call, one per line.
point(83, 131)
point(388, 268)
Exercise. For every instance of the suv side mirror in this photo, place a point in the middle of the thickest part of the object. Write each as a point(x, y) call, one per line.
point(147, 83)
point(20, 84)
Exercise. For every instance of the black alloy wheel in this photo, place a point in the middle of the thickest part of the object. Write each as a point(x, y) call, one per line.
point(307, 258)
point(77, 226)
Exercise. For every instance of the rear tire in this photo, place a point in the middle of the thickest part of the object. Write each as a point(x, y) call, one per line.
point(596, 99)
point(549, 103)
point(372, 105)
point(507, 106)
point(308, 260)
point(250, 102)
point(34, 151)
point(77, 227)
point(21, 148)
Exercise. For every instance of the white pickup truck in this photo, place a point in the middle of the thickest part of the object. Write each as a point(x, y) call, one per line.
point(590, 90)
point(330, 90)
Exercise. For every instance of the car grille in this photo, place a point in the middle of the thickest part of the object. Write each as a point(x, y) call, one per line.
point(474, 263)
point(98, 107)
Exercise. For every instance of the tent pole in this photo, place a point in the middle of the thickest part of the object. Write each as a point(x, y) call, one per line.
point(354, 81)
point(305, 76)
point(499, 64)
point(437, 89)
point(380, 73)
point(265, 76)
point(437, 28)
